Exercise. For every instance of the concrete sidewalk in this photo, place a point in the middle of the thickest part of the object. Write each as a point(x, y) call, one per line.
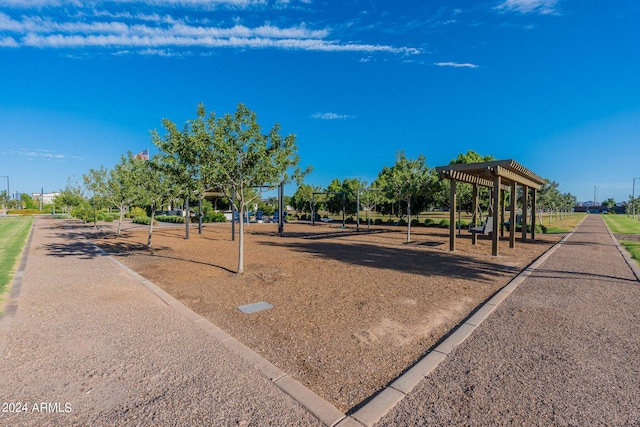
point(91, 345)
point(562, 349)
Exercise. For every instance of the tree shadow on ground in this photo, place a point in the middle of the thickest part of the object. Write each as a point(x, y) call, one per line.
point(124, 249)
point(82, 249)
point(403, 259)
point(542, 273)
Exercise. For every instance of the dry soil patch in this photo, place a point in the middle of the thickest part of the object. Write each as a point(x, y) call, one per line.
point(351, 311)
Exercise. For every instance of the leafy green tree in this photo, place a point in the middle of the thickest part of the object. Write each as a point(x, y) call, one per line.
point(348, 189)
point(152, 187)
point(27, 202)
point(114, 187)
point(182, 155)
point(609, 203)
point(302, 199)
point(407, 179)
point(267, 207)
point(370, 197)
point(4, 199)
point(238, 157)
point(69, 198)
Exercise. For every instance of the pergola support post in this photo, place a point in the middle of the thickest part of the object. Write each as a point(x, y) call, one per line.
point(496, 213)
point(474, 237)
point(533, 214)
point(525, 202)
point(452, 215)
point(503, 198)
point(512, 216)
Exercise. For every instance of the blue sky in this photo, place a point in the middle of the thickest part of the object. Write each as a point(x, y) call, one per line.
point(553, 84)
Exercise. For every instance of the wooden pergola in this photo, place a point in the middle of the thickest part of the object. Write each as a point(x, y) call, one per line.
point(500, 176)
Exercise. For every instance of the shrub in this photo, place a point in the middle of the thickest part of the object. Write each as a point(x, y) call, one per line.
point(170, 218)
point(390, 221)
point(429, 222)
point(136, 212)
point(461, 223)
point(85, 213)
point(214, 217)
point(378, 221)
point(142, 220)
point(349, 220)
point(444, 223)
point(24, 212)
point(402, 222)
point(415, 222)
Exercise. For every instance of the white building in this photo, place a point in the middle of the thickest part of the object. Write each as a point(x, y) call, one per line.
point(47, 198)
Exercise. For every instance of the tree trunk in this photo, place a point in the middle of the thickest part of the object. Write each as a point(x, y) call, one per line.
point(120, 219)
point(241, 239)
point(187, 218)
point(153, 215)
point(409, 219)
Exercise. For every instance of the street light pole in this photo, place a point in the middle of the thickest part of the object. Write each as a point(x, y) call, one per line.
point(633, 198)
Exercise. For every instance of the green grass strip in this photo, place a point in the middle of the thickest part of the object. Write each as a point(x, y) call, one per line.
point(633, 248)
point(13, 237)
point(566, 224)
point(622, 224)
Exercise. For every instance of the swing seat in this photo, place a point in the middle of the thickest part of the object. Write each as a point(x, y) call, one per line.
point(484, 229)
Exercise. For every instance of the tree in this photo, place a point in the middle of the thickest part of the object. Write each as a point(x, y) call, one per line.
point(182, 156)
point(609, 203)
point(238, 156)
point(369, 199)
point(152, 187)
point(347, 191)
point(114, 187)
point(302, 199)
point(407, 179)
point(4, 199)
point(27, 202)
point(69, 198)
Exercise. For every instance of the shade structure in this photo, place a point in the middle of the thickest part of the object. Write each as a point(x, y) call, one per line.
point(500, 176)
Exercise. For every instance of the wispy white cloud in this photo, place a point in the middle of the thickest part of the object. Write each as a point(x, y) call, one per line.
point(544, 7)
point(44, 154)
point(8, 42)
point(30, 4)
point(456, 65)
point(161, 32)
point(331, 116)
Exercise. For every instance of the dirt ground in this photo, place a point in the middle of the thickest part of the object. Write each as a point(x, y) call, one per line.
point(351, 311)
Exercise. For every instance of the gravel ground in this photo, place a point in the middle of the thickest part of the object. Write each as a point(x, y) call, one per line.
point(351, 311)
point(91, 346)
point(561, 350)
point(97, 348)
